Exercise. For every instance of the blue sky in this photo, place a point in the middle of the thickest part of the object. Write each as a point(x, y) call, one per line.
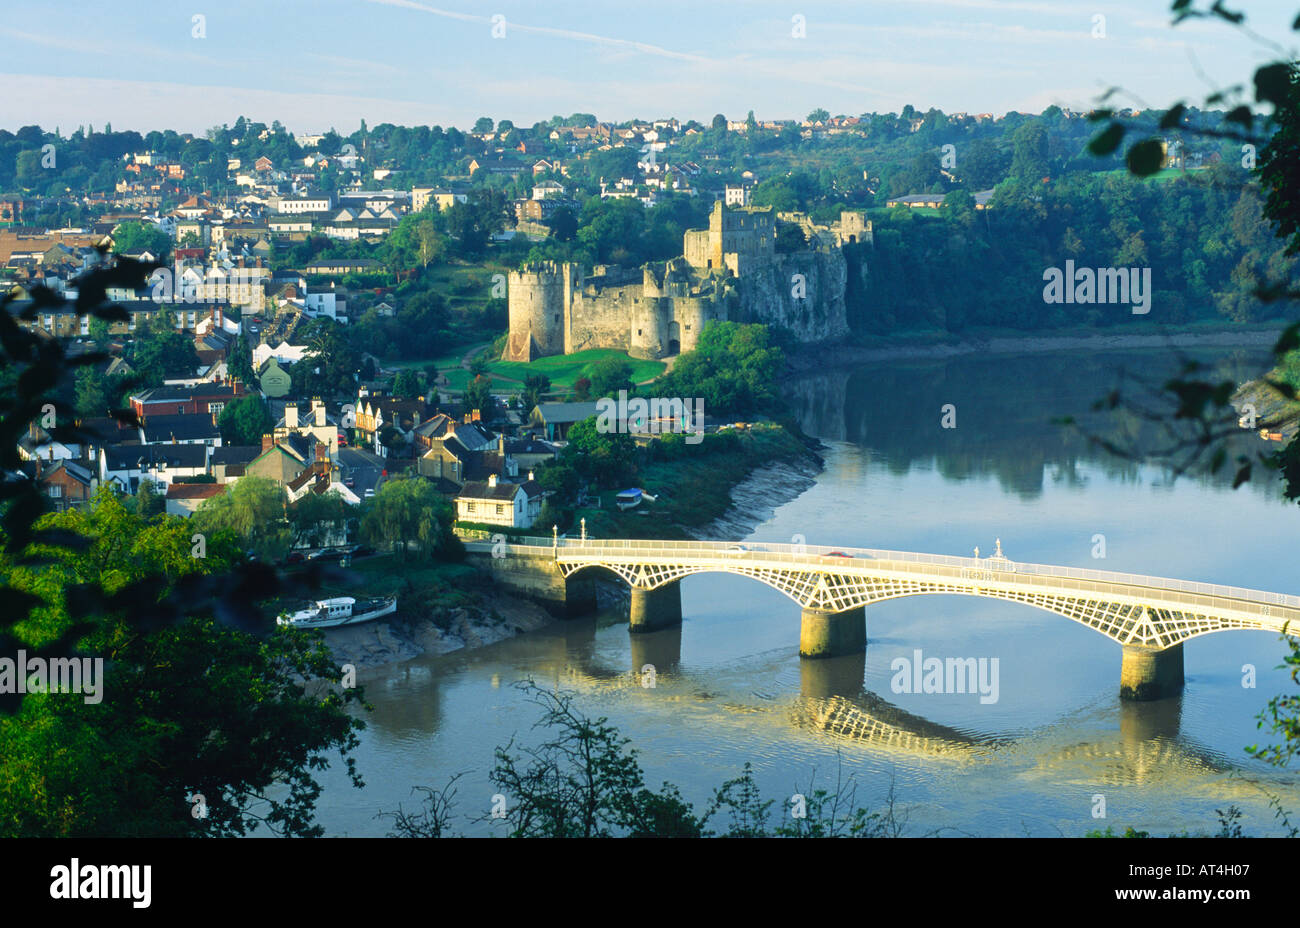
point(314, 64)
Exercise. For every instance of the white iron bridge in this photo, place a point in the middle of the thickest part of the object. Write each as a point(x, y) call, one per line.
point(1132, 609)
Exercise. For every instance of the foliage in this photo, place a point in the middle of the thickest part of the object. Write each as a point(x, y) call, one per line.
point(409, 513)
point(253, 509)
point(733, 367)
point(187, 707)
point(245, 420)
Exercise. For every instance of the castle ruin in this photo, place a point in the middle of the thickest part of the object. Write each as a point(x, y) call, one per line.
point(729, 271)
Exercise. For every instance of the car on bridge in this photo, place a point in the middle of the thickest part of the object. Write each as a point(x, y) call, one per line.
point(837, 554)
point(737, 549)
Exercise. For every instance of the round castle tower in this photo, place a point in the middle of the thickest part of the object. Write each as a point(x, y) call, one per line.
point(539, 298)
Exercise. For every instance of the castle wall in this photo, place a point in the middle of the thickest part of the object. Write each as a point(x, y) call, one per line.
point(696, 248)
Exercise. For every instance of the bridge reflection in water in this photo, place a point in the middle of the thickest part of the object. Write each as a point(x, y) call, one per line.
point(1125, 744)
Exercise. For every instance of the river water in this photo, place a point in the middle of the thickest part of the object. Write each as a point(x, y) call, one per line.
point(730, 687)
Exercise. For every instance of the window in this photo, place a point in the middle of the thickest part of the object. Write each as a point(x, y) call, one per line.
point(471, 507)
point(500, 509)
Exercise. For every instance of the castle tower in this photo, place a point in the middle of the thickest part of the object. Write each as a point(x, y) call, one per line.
point(540, 297)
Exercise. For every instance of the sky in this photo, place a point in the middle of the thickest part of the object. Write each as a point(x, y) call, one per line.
point(319, 64)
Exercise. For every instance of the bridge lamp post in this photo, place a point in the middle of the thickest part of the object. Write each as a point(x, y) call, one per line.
point(583, 520)
point(555, 536)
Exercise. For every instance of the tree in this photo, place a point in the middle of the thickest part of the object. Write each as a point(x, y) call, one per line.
point(482, 125)
point(93, 398)
point(409, 513)
point(188, 709)
point(149, 500)
point(253, 509)
point(563, 224)
point(407, 384)
point(535, 385)
point(133, 238)
point(607, 458)
point(582, 389)
point(478, 395)
point(245, 420)
point(789, 238)
point(161, 351)
point(719, 122)
point(819, 115)
point(239, 362)
point(609, 375)
point(317, 518)
point(584, 782)
point(1029, 153)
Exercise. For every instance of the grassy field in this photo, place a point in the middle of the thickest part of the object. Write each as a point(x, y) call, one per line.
point(563, 370)
point(509, 376)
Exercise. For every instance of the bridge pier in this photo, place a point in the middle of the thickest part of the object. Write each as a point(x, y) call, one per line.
point(832, 634)
point(1148, 674)
point(654, 609)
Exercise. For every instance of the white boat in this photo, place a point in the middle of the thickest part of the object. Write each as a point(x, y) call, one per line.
point(340, 610)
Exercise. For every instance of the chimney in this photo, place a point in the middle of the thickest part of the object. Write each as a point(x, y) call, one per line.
point(268, 440)
point(318, 410)
point(291, 417)
point(492, 480)
point(530, 476)
point(501, 443)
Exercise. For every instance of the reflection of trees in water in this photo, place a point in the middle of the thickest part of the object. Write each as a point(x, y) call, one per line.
point(1005, 412)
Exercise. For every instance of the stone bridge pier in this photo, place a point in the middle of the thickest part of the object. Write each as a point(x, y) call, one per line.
point(833, 634)
point(653, 609)
point(1148, 674)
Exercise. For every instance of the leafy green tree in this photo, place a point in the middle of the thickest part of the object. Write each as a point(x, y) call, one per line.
point(409, 513)
point(609, 375)
point(93, 397)
point(407, 384)
point(133, 238)
point(253, 509)
point(315, 518)
point(733, 368)
point(789, 238)
point(607, 458)
point(161, 351)
point(245, 420)
point(535, 386)
point(239, 362)
point(478, 395)
point(185, 710)
point(150, 501)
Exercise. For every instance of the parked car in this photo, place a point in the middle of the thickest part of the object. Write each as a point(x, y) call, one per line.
point(295, 557)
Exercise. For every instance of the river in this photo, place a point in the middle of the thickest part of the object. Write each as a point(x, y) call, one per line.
point(730, 687)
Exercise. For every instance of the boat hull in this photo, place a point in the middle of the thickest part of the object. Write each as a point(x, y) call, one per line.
point(386, 607)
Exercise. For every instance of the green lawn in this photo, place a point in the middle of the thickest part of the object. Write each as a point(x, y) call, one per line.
point(563, 370)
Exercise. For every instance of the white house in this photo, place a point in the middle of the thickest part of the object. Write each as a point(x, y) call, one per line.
point(516, 505)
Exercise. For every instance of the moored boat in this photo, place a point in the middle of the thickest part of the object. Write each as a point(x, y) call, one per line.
point(339, 610)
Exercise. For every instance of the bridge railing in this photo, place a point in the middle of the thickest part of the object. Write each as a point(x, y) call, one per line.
point(817, 554)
